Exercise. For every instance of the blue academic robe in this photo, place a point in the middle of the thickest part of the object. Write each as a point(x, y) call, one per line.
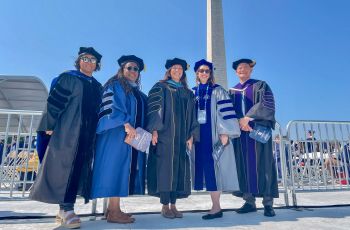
point(112, 164)
point(204, 163)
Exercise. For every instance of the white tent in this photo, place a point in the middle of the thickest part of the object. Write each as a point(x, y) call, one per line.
point(21, 93)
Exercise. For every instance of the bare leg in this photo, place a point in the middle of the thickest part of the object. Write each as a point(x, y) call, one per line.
point(215, 198)
point(115, 215)
point(114, 204)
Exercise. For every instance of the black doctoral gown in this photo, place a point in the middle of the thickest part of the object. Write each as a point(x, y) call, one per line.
point(171, 111)
point(72, 113)
point(255, 163)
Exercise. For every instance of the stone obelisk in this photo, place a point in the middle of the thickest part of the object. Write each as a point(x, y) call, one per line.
point(215, 41)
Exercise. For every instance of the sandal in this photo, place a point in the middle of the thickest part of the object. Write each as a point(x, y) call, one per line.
point(58, 219)
point(69, 220)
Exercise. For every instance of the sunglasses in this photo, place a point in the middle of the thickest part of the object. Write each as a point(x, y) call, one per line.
point(177, 68)
point(207, 71)
point(133, 68)
point(91, 60)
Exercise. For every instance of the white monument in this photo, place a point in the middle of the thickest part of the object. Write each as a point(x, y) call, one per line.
point(215, 40)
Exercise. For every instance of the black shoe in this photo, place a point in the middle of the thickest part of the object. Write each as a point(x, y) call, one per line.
point(268, 211)
point(212, 216)
point(246, 208)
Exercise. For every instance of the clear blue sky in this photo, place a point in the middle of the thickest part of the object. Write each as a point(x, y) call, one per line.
point(301, 47)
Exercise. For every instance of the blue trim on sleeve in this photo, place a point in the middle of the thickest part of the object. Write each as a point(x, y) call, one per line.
point(227, 109)
point(224, 101)
point(229, 117)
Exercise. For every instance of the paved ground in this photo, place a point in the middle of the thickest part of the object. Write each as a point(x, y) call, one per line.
point(35, 215)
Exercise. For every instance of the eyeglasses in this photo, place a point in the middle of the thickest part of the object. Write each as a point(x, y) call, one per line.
point(207, 71)
point(133, 68)
point(177, 68)
point(87, 59)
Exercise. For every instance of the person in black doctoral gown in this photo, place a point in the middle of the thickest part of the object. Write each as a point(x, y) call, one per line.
point(254, 104)
point(172, 121)
point(70, 118)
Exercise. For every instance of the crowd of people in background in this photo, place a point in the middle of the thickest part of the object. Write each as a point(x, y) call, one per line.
point(308, 153)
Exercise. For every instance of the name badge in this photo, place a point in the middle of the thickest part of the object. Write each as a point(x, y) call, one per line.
point(202, 116)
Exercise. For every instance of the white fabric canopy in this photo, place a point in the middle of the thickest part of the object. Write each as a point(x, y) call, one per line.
point(26, 93)
point(22, 93)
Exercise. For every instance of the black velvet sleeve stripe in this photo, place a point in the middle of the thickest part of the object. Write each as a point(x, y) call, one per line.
point(155, 90)
point(62, 90)
point(51, 100)
point(153, 109)
point(154, 99)
point(268, 100)
point(227, 109)
point(106, 103)
point(224, 101)
point(107, 94)
point(229, 117)
point(58, 97)
point(104, 113)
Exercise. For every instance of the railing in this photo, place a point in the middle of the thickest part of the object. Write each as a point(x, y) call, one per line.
point(313, 156)
point(19, 161)
point(318, 156)
point(280, 161)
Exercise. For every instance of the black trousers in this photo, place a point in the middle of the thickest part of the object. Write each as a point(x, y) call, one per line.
point(66, 206)
point(167, 197)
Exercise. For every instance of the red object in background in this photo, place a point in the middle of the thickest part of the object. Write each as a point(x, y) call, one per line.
point(342, 177)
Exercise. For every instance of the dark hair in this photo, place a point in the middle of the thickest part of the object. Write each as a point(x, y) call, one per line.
point(183, 79)
point(211, 79)
point(77, 63)
point(119, 76)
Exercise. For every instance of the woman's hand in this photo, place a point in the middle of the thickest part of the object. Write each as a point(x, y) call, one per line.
point(189, 143)
point(244, 124)
point(154, 137)
point(223, 139)
point(130, 131)
point(49, 132)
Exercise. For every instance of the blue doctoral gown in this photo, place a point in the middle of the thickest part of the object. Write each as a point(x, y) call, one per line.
point(112, 165)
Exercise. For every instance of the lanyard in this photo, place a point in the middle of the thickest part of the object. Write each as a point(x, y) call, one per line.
point(206, 97)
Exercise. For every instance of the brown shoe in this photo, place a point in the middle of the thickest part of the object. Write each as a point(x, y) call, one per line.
point(119, 217)
point(176, 212)
point(107, 211)
point(127, 214)
point(167, 213)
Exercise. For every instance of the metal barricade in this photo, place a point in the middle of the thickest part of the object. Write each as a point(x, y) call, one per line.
point(279, 155)
point(19, 160)
point(318, 156)
point(313, 156)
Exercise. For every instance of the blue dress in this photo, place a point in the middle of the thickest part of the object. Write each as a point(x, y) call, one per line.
point(118, 169)
point(204, 162)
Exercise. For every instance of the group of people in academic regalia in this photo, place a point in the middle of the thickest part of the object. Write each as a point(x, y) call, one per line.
point(200, 138)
